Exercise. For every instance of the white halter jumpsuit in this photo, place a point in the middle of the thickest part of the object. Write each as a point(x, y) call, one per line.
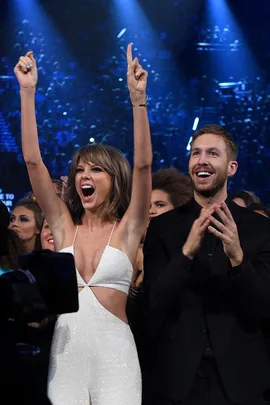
point(93, 355)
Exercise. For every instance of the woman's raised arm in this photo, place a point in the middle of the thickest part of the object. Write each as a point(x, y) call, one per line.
point(53, 207)
point(137, 214)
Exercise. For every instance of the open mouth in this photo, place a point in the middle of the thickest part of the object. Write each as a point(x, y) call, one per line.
point(50, 241)
point(88, 190)
point(203, 174)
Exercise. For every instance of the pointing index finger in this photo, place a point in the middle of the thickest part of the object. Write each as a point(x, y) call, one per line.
point(129, 54)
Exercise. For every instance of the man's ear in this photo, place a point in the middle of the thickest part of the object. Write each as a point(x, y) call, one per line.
point(232, 168)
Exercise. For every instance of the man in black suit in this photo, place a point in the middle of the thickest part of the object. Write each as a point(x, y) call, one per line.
point(207, 285)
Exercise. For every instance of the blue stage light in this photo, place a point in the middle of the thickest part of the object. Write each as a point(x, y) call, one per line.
point(195, 124)
point(121, 33)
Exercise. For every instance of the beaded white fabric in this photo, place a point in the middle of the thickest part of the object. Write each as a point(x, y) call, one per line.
point(93, 358)
point(114, 270)
point(93, 355)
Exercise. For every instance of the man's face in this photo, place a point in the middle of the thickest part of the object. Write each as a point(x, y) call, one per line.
point(209, 165)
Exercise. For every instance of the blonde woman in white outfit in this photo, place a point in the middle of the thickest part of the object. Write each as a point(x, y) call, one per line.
point(93, 357)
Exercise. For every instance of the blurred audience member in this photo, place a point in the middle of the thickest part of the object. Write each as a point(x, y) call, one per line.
point(170, 189)
point(11, 246)
point(46, 238)
point(260, 209)
point(245, 198)
point(26, 220)
point(58, 186)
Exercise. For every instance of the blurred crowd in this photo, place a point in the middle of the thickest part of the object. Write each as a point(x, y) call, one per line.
point(73, 110)
point(218, 35)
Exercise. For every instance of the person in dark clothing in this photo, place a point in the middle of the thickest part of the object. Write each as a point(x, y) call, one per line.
point(245, 198)
point(20, 382)
point(207, 285)
point(260, 209)
point(170, 189)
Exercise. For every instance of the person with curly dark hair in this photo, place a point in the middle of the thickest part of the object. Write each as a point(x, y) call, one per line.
point(170, 189)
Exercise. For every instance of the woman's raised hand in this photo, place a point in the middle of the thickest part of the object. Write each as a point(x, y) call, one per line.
point(136, 78)
point(26, 71)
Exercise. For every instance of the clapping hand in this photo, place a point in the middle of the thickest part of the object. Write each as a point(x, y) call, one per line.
point(227, 232)
point(197, 232)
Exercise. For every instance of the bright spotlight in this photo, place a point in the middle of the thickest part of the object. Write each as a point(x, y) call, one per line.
point(189, 142)
point(195, 124)
point(121, 33)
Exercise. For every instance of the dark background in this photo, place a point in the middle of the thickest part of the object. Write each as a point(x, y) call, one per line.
point(189, 49)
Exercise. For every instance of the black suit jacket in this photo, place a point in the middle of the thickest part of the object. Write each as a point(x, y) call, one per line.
point(189, 297)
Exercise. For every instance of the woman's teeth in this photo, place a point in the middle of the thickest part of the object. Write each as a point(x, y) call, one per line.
point(87, 190)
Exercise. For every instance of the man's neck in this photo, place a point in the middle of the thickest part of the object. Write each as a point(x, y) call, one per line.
point(206, 202)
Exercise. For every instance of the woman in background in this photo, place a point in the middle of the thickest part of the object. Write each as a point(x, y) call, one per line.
point(46, 238)
point(11, 246)
point(16, 368)
point(26, 220)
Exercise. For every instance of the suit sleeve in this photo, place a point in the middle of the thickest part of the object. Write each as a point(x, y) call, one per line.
point(249, 283)
point(163, 276)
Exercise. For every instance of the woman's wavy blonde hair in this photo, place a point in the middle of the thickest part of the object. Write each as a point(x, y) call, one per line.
point(117, 166)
